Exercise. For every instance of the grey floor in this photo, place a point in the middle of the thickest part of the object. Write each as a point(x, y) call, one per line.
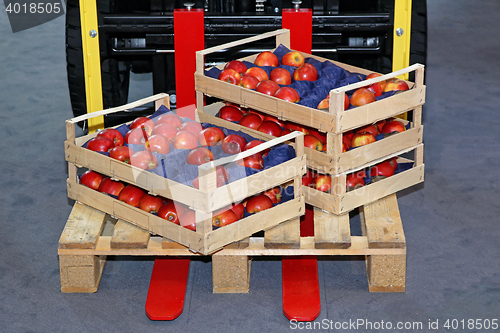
point(451, 223)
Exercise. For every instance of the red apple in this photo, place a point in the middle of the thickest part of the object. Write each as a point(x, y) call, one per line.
point(362, 96)
point(254, 161)
point(236, 65)
point(309, 178)
point(131, 195)
point(346, 143)
point(293, 58)
point(143, 122)
point(150, 203)
point(274, 194)
point(169, 118)
point(112, 134)
point(258, 203)
point(192, 126)
point(158, 143)
point(255, 143)
point(185, 140)
point(270, 127)
point(373, 129)
point(136, 136)
point(188, 220)
point(239, 210)
point(230, 113)
point(211, 136)
point(258, 72)
point(266, 58)
point(199, 156)
point(354, 180)
point(306, 72)
point(267, 87)
point(380, 124)
point(374, 75)
point(250, 120)
point(171, 211)
point(349, 134)
point(248, 81)
point(233, 144)
point(313, 142)
point(383, 169)
point(143, 160)
point(376, 88)
point(281, 76)
point(323, 182)
point(224, 217)
point(361, 139)
point(121, 153)
point(287, 94)
point(395, 84)
point(393, 126)
point(111, 187)
point(91, 179)
point(394, 162)
point(100, 144)
point(324, 104)
point(230, 76)
point(321, 136)
point(166, 130)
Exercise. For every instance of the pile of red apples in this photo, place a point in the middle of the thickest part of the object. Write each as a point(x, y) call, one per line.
point(313, 138)
point(236, 72)
point(156, 137)
point(174, 211)
point(275, 84)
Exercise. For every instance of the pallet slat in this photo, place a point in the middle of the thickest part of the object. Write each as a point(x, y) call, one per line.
point(83, 228)
point(331, 231)
point(383, 225)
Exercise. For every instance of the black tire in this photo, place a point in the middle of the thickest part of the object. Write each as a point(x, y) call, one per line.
point(115, 74)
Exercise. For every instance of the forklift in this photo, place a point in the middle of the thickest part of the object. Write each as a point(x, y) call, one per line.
point(138, 37)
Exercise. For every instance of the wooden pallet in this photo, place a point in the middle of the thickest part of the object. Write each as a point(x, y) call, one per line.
point(91, 235)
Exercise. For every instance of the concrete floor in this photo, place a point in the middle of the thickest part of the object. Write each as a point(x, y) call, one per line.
point(451, 222)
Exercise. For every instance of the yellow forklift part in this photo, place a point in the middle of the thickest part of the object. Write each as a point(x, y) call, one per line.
point(402, 35)
point(91, 62)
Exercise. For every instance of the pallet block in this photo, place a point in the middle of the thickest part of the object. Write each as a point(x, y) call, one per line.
point(82, 254)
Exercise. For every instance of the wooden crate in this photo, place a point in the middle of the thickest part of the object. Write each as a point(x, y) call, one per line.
point(339, 201)
point(333, 122)
point(91, 235)
point(204, 201)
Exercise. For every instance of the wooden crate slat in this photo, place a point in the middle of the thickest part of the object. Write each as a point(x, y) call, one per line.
point(239, 190)
point(126, 235)
point(383, 225)
point(380, 189)
point(331, 231)
point(83, 228)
